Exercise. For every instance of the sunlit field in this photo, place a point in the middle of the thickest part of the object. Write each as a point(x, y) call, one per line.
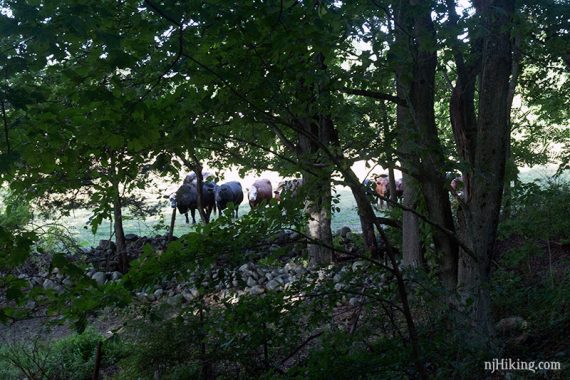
point(158, 224)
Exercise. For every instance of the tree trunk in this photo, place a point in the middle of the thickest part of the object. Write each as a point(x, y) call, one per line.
point(120, 240)
point(318, 209)
point(411, 243)
point(422, 152)
point(490, 142)
point(365, 210)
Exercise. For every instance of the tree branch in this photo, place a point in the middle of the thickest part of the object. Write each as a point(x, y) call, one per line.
point(374, 95)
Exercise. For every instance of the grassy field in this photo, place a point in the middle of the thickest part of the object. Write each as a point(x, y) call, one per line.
point(157, 224)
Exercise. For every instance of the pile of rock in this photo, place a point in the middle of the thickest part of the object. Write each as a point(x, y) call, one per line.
point(105, 259)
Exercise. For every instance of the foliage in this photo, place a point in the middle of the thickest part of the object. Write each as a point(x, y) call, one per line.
point(72, 357)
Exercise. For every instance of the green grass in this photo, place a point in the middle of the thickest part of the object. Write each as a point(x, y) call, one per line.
point(158, 224)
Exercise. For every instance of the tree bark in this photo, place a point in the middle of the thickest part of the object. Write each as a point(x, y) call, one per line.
point(318, 209)
point(120, 240)
point(422, 152)
point(411, 243)
point(490, 143)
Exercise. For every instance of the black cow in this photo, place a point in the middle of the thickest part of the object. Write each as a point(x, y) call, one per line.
point(186, 199)
point(230, 192)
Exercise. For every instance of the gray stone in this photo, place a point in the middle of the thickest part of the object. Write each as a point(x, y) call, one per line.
point(343, 231)
point(195, 293)
point(187, 296)
point(158, 293)
point(359, 264)
point(116, 275)
point(255, 290)
point(269, 276)
point(243, 268)
point(49, 284)
point(272, 285)
point(99, 278)
point(107, 244)
point(251, 281)
point(131, 237)
point(337, 277)
point(354, 301)
point(338, 286)
point(174, 300)
point(511, 324)
point(142, 296)
point(67, 282)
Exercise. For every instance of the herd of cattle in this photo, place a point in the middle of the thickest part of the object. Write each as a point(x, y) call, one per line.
point(218, 197)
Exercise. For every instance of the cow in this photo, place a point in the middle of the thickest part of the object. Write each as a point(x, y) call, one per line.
point(382, 189)
point(457, 185)
point(186, 199)
point(399, 189)
point(288, 187)
point(369, 189)
point(260, 191)
point(229, 192)
point(191, 178)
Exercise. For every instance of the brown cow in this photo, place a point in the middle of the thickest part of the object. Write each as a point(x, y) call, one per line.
point(261, 191)
point(382, 189)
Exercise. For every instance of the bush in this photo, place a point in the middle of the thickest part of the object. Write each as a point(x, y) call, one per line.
point(72, 357)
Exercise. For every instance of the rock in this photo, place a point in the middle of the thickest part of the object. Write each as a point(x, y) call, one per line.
point(359, 264)
point(272, 285)
point(174, 300)
point(187, 296)
point(354, 301)
point(158, 293)
point(90, 273)
point(142, 296)
point(343, 232)
point(67, 282)
point(195, 293)
point(116, 275)
point(131, 237)
point(244, 267)
point(235, 283)
point(99, 278)
point(337, 278)
point(269, 276)
point(49, 284)
point(107, 244)
point(338, 286)
point(251, 281)
point(509, 325)
point(255, 290)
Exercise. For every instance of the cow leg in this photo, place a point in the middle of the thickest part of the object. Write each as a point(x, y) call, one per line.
point(193, 212)
point(237, 209)
point(186, 215)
